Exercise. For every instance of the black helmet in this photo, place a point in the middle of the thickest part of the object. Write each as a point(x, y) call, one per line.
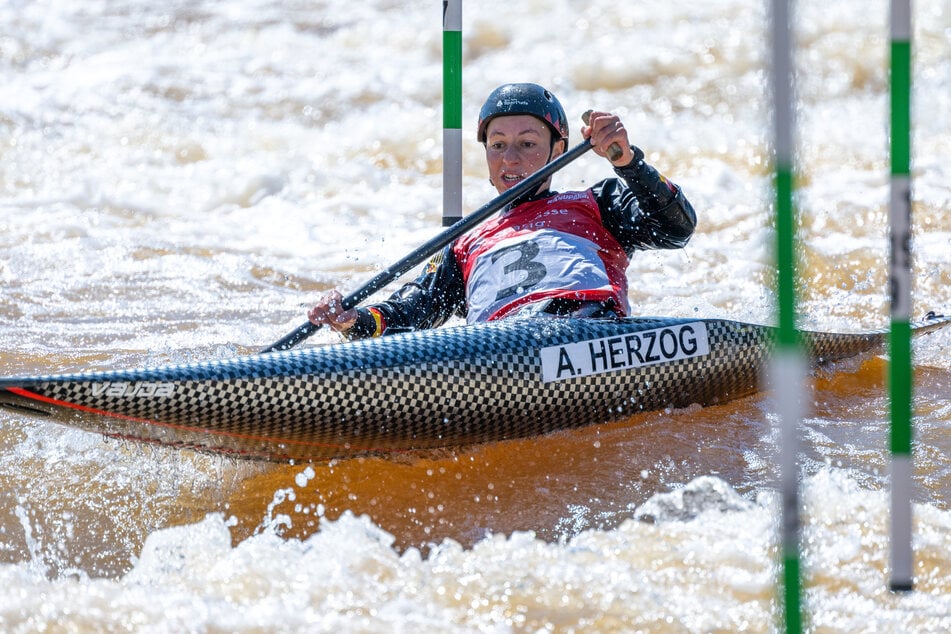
point(531, 99)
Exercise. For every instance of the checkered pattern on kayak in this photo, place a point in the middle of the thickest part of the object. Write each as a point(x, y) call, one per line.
point(428, 389)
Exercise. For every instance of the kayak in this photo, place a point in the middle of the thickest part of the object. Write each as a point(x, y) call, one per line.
point(428, 389)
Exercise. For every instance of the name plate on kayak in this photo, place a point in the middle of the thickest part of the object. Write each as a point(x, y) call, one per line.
point(620, 352)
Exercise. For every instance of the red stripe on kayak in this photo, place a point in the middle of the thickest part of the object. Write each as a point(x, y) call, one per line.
point(90, 410)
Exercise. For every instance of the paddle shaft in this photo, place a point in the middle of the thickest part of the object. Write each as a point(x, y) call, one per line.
point(397, 269)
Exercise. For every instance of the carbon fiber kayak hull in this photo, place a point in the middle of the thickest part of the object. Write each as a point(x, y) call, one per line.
point(429, 389)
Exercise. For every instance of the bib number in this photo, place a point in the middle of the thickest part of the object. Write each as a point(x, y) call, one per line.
point(525, 271)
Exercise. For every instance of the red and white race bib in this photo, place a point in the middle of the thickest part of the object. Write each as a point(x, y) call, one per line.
point(544, 249)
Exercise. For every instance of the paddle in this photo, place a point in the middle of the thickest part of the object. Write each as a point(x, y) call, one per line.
point(392, 272)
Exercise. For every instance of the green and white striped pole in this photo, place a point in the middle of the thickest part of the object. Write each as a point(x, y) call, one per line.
point(900, 373)
point(788, 367)
point(452, 112)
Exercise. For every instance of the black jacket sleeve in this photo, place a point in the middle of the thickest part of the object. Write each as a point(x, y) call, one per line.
point(644, 210)
point(427, 302)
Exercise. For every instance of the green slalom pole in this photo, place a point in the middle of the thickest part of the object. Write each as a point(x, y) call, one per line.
point(788, 366)
point(452, 112)
point(900, 372)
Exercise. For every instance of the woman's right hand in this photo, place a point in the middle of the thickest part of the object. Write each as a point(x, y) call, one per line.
point(329, 310)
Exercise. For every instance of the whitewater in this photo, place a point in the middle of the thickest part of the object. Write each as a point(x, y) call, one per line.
point(180, 180)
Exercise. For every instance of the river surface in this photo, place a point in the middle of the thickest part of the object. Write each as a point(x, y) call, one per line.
point(179, 180)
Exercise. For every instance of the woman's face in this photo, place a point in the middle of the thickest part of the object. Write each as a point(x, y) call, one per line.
point(517, 146)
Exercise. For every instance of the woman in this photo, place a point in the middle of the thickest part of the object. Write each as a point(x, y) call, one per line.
point(547, 253)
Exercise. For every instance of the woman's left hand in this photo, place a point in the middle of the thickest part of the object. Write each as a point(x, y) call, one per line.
point(606, 129)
